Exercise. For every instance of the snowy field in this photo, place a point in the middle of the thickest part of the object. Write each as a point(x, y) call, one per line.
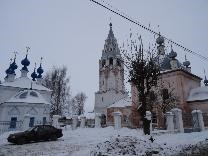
point(107, 141)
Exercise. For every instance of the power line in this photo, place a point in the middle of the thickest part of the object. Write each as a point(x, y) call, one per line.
point(119, 13)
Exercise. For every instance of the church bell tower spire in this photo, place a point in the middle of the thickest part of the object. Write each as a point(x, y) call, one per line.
point(111, 75)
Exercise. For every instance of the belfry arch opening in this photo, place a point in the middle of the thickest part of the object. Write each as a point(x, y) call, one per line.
point(103, 63)
point(110, 61)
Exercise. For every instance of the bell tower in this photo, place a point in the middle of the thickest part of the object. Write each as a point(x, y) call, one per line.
point(111, 75)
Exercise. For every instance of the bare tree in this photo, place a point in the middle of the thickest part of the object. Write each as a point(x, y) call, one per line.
point(58, 82)
point(78, 103)
point(143, 73)
point(166, 98)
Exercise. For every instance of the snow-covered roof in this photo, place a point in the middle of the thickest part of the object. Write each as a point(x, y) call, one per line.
point(24, 82)
point(28, 96)
point(125, 102)
point(198, 94)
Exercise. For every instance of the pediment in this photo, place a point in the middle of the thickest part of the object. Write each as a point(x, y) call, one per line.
point(14, 111)
point(46, 110)
point(32, 111)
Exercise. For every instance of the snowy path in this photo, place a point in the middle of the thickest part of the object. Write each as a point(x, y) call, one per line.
point(81, 142)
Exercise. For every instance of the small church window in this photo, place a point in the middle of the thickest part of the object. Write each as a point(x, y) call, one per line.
point(23, 95)
point(32, 120)
point(118, 62)
point(44, 120)
point(13, 122)
point(111, 61)
point(103, 63)
point(165, 94)
point(34, 94)
point(103, 82)
point(102, 99)
point(125, 119)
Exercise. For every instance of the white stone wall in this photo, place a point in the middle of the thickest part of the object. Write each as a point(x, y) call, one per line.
point(109, 98)
point(111, 87)
point(19, 110)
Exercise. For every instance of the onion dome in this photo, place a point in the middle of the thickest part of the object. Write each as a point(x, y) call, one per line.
point(160, 40)
point(172, 54)
point(205, 81)
point(13, 66)
point(9, 70)
point(40, 71)
point(186, 63)
point(34, 75)
point(25, 62)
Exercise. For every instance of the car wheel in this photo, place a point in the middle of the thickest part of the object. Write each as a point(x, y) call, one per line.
point(53, 138)
point(21, 141)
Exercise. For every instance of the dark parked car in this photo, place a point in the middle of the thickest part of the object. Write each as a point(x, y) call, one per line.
point(36, 133)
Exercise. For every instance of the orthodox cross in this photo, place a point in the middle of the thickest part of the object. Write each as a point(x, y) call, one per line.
point(41, 60)
point(15, 54)
point(27, 49)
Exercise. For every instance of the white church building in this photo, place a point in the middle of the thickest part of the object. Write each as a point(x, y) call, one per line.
point(111, 76)
point(24, 102)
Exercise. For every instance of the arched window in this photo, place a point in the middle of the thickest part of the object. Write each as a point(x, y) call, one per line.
point(125, 119)
point(118, 62)
point(165, 94)
point(111, 61)
point(103, 63)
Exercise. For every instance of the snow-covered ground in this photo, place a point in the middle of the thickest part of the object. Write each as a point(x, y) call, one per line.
point(106, 141)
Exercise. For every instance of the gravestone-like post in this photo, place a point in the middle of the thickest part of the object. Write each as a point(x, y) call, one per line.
point(74, 122)
point(198, 122)
point(83, 120)
point(26, 122)
point(149, 117)
point(97, 120)
point(178, 122)
point(55, 122)
point(117, 120)
point(169, 121)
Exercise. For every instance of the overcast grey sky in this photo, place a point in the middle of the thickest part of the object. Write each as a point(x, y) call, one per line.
point(72, 33)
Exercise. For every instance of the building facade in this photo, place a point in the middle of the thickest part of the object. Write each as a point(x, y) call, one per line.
point(23, 97)
point(111, 76)
point(175, 78)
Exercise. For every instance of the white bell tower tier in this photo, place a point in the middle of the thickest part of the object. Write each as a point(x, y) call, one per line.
point(111, 75)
